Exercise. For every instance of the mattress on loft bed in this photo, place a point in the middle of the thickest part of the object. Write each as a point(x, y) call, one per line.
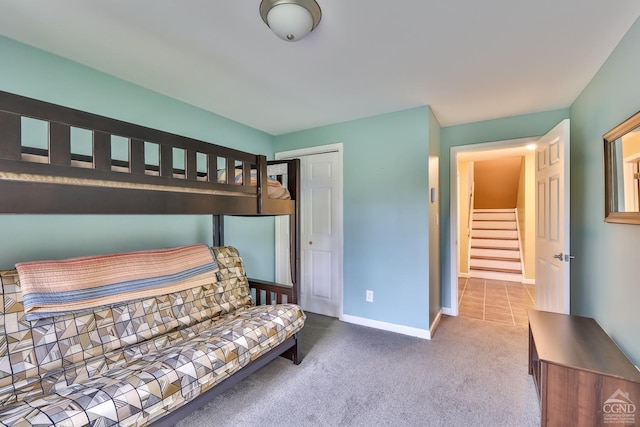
point(275, 189)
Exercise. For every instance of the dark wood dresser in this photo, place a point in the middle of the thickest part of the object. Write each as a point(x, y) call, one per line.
point(582, 377)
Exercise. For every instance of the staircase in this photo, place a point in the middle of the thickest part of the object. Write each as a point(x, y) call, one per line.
point(495, 248)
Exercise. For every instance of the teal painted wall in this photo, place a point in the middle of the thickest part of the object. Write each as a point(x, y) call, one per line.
point(604, 275)
point(31, 72)
point(473, 133)
point(386, 211)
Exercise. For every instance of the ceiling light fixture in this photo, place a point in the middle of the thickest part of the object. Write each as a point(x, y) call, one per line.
point(291, 20)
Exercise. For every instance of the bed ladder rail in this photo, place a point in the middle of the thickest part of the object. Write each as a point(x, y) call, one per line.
point(270, 293)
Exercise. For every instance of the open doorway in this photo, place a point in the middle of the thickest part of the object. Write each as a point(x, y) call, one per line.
point(552, 243)
point(495, 224)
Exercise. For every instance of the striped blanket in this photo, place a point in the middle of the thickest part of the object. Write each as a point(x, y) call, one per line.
point(57, 287)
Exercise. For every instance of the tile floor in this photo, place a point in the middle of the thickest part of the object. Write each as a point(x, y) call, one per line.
point(495, 300)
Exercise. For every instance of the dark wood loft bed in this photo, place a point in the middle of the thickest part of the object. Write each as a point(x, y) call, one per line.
point(60, 178)
point(210, 179)
point(195, 188)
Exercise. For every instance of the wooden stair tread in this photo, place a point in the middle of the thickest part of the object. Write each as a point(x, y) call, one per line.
point(497, 248)
point(498, 270)
point(495, 258)
point(493, 238)
point(495, 229)
point(490, 218)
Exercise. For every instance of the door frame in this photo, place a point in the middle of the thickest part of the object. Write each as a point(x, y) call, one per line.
point(454, 215)
point(281, 237)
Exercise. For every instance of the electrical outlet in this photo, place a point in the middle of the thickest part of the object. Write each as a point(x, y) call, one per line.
point(369, 296)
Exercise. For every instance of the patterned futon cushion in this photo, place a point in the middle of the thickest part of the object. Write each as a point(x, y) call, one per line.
point(183, 364)
point(46, 362)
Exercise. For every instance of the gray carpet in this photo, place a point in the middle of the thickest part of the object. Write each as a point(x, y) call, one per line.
point(472, 373)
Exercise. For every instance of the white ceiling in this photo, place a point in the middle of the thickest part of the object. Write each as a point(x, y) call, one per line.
point(469, 60)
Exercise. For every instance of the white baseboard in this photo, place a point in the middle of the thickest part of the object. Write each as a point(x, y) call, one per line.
point(495, 275)
point(528, 281)
point(435, 323)
point(391, 327)
point(448, 311)
point(464, 275)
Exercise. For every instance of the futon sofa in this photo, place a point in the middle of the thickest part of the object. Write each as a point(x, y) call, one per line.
point(139, 361)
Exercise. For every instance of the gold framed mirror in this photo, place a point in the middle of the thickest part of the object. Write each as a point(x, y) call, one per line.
point(622, 172)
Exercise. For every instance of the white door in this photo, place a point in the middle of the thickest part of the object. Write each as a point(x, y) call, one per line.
point(552, 220)
point(320, 230)
point(320, 287)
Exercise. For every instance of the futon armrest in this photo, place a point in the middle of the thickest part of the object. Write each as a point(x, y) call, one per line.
point(271, 292)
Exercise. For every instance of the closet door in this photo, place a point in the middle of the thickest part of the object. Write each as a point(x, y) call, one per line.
point(321, 287)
